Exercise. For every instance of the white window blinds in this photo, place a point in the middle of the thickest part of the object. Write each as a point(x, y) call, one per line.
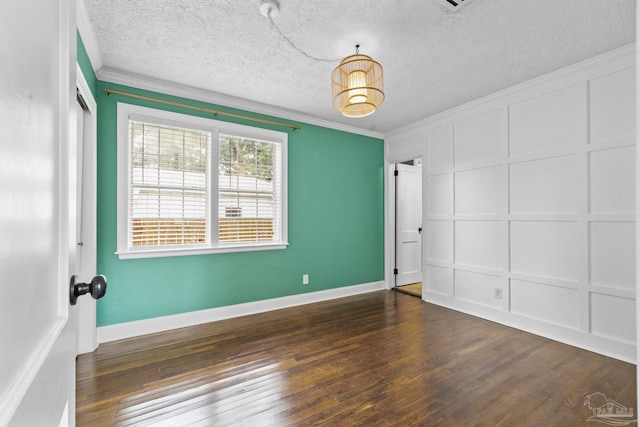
point(249, 202)
point(168, 191)
point(190, 185)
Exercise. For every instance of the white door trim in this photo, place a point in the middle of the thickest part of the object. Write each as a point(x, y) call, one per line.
point(389, 224)
point(419, 150)
point(87, 331)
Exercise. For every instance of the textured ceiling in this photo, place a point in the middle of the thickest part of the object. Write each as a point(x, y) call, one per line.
point(433, 59)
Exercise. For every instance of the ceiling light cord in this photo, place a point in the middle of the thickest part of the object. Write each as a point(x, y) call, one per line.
point(357, 84)
point(273, 24)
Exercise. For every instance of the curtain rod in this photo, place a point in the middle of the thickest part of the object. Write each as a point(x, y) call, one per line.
point(207, 110)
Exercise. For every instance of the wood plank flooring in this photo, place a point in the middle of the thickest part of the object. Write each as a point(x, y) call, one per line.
point(414, 289)
point(377, 359)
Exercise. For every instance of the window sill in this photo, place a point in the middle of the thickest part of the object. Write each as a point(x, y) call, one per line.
point(172, 252)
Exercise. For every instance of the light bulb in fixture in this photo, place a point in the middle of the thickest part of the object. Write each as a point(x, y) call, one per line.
point(357, 84)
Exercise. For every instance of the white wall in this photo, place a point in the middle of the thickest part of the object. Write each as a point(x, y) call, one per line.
point(531, 191)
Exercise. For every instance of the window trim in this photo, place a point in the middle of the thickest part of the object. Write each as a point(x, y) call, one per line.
point(125, 112)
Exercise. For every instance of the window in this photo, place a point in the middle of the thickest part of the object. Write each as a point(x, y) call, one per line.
point(190, 185)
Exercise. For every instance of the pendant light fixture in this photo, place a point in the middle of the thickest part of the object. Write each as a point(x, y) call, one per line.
point(357, 85)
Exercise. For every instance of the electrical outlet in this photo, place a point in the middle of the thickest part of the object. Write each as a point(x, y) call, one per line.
point(497, 293)
point(305, 279)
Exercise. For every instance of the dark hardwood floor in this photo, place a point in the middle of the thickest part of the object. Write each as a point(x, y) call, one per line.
point(377, 359)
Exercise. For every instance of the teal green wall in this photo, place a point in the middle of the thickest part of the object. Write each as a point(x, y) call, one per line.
point(85, 66)
point(335, 220)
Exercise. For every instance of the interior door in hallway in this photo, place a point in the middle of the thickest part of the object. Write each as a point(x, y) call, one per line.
point(408, 254)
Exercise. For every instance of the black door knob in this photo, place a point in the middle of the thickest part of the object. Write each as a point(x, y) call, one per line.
point(97, 288)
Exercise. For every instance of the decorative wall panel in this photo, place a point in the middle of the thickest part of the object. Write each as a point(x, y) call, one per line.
point(545, 186)
point(440, 242)
point(439, 195)
point(547, 303)
point(612, 106)
point(530, 206)
point(612, 254)
point(439, 280)
point(480, 138)
point(546, 122)
point(613, 317)
point(481, 191)
point(611, 179)
point(546, 249)
point(479, 244)
point(439, 148)
point(477, 287)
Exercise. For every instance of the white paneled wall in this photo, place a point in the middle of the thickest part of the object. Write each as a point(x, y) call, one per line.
point(530, 205)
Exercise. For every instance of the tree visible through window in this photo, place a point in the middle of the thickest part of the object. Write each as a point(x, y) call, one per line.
point(247, 200)
point(168, 192)
point(193, 185)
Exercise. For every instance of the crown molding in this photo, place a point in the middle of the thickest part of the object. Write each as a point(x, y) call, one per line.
point(161, 86)
point(88, 36)
point(624, 54)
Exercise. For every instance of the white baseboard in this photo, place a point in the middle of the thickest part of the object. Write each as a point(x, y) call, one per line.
point(598, 344)
point(165, 323)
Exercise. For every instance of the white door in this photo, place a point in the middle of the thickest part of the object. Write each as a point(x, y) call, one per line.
point(37, 76)
point(408, 189)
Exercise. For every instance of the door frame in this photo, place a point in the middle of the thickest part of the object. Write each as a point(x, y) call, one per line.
point(402, 173)
point(399, 152)
point(86, 307)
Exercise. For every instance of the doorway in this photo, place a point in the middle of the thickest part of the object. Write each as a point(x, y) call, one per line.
point(407, 271)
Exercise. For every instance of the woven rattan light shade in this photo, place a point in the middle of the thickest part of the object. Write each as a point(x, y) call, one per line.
point(357, 86)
